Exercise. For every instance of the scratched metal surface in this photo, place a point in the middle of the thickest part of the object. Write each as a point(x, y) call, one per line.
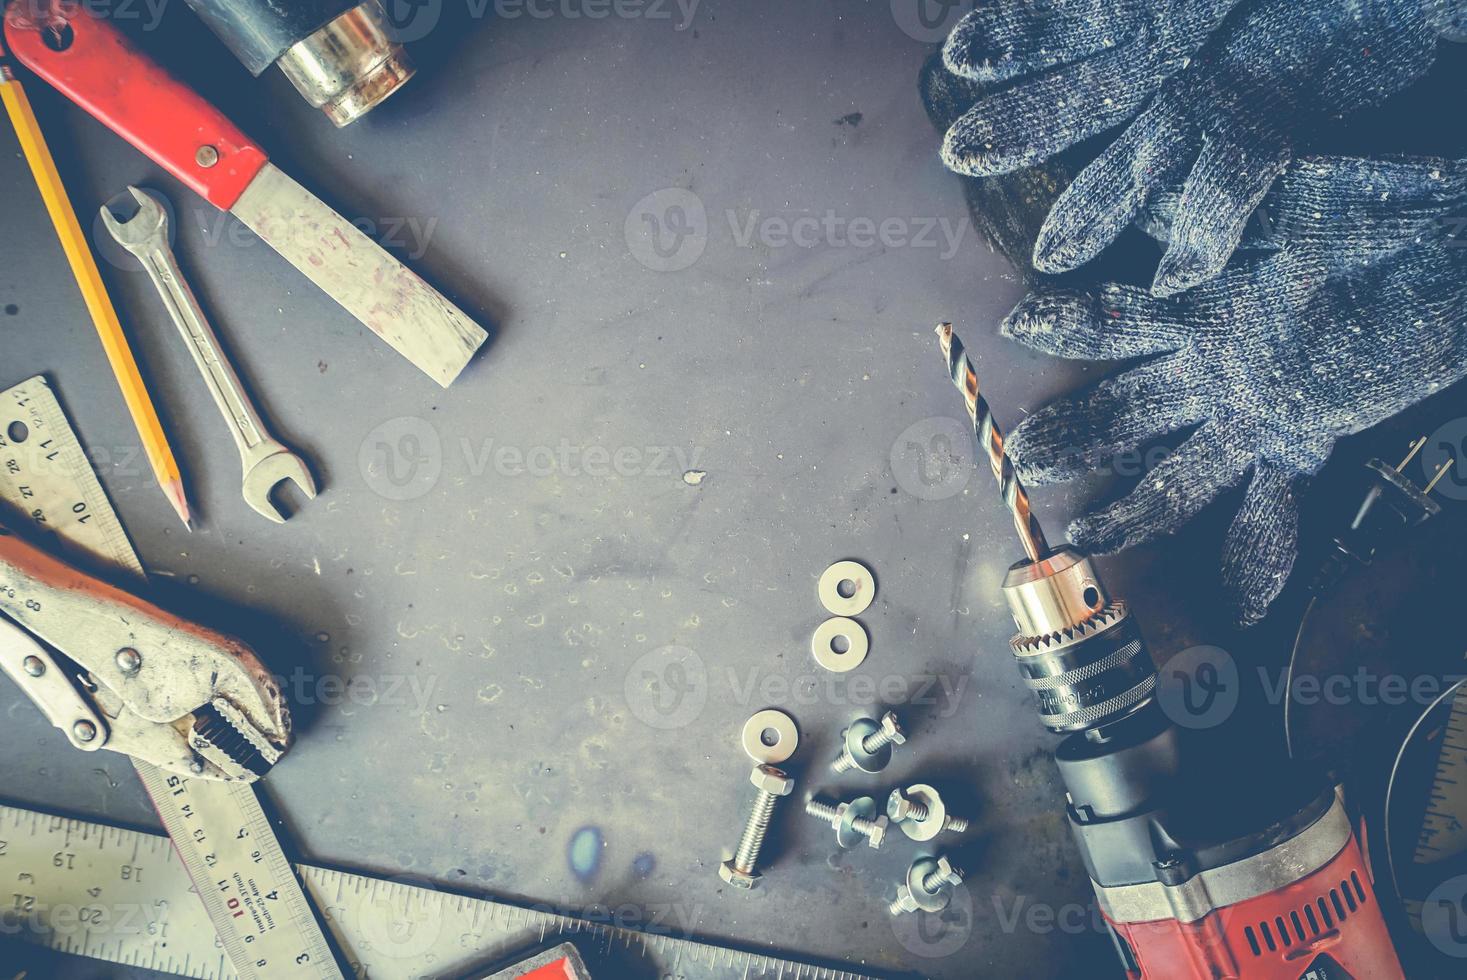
point(528, 616)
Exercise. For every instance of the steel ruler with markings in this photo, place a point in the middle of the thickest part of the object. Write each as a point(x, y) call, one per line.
point(1443, 834)
point(262, 922)
point(135, 898)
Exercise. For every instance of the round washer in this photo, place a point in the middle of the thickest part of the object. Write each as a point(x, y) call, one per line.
point(858, 601)
point(787, 736)
point(827, 656)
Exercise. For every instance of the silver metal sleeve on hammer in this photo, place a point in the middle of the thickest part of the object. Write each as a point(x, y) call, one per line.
point(1078, 650)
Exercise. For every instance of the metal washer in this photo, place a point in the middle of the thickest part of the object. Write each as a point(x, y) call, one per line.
point(787, 740)
point(858, 601)
point(827, 657)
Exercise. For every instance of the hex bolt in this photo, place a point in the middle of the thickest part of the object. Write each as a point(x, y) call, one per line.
point(920, 813)
point(928, 888)
point(129, 661)
point(852, 822)
point(34, 666)
point(84, 731)
point(867, 744)
point(772, 783)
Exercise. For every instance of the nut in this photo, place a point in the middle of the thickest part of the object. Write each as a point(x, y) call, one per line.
point(892, 730)
point(904, 901)
point(948, 872)
point(768, 779)
point(737, 878)
point(898, 806)
point(877, 833)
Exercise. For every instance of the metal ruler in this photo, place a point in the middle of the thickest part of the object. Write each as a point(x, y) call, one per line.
point(129, 897)
point(263, 921)
point(1444, 826)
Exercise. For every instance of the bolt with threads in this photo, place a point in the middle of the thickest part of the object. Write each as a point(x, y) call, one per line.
point(867, 744)
point(771, 783)
point(853, 822)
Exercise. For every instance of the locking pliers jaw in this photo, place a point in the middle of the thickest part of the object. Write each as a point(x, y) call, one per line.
point(112, 671)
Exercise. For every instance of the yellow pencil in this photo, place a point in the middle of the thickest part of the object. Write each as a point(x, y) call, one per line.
point(84, 268)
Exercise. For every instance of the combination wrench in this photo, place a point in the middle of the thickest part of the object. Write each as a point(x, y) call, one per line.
point(267, 463)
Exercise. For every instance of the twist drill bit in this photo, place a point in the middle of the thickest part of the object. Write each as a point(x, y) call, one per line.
point(990, 439)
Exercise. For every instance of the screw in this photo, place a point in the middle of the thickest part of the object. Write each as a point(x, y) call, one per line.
point(129, 661)
point(852, 821)
point(928, 887)
point(921, 814)
point(84, 731)
point(772, 783)
point(868, 744)
point(34, 666)
point(207, 156)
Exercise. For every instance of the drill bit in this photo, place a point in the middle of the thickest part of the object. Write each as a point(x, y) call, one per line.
point(990, 438)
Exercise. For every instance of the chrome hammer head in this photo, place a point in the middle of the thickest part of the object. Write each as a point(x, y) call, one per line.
point(145, 229)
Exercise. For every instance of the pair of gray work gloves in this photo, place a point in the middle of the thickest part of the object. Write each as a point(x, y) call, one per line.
point(1349, 306)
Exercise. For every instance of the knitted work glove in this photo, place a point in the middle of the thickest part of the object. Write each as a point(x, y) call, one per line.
point(1223, 129)
point(1357, 311)
point(1080, 67)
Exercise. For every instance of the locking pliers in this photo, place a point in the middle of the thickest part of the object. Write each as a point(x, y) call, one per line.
point(113, 671)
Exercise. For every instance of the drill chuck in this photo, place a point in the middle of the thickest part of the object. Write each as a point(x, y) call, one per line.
point(1079, 652)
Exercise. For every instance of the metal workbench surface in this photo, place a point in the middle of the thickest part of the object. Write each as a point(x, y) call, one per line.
point(527, 617)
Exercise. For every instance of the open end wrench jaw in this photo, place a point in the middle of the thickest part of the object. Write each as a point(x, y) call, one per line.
point(144, 229)
point(265, 477)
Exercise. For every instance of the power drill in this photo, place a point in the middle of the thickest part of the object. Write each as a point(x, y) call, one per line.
point(1194, 880)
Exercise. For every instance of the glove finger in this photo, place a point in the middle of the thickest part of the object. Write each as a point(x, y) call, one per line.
point(1110, 192)
point(1036, 119)
point(1114, 324)
point(1073, 436)
point(1366, 207)
point(1262, 543)
point(1228, 181)
point(1000, 41)
point(1167, 497)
